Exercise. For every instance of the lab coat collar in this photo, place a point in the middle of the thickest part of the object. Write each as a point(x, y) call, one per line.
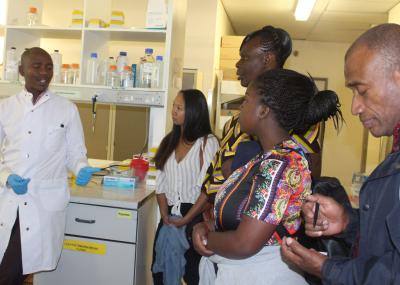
point(27, 96)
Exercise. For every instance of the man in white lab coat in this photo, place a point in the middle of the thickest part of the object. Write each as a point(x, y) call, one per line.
point(41, 138)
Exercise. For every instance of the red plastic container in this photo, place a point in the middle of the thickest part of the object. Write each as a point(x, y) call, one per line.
point(139, 167)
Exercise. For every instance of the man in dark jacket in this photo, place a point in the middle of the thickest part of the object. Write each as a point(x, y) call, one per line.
point(372, 72)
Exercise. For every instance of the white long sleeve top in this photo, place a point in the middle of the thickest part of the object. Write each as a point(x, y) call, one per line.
point(181, 182)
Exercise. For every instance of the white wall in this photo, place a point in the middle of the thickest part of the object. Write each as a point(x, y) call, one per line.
point(342, 152)
point(205, 24)
point(394, 14)
point(199, 38)
point(2, 22)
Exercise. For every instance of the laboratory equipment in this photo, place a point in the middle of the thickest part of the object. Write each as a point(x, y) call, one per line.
point(56, 56)
point(156, 76)
point(11, 69)
point(146, 68)
point(31, 16)
point(92, 69)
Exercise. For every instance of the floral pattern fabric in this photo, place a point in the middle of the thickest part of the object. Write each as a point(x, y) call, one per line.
point(271, 188)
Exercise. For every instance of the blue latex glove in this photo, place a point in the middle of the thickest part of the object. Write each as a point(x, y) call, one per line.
point(18, 184)
point(85, 174)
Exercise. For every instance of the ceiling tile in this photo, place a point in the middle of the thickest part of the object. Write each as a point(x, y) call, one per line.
point(342, 20)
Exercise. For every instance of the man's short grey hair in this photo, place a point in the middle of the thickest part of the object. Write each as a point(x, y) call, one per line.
point(384, 39)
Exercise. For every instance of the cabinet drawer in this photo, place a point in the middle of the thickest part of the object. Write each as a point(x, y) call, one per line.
point(113, 264)
point(101, 222)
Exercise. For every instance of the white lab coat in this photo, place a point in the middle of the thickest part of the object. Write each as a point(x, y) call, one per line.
point(39, 142)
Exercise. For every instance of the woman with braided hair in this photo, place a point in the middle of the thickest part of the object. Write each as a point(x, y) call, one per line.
point(267, 192)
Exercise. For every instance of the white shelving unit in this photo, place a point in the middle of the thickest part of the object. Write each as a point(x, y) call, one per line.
point(228, 90)
point(76, 44)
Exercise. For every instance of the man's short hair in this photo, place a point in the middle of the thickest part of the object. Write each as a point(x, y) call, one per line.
point(384, 39)
point(30, 51)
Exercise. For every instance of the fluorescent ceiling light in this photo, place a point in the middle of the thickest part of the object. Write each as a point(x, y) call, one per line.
point(303, 9)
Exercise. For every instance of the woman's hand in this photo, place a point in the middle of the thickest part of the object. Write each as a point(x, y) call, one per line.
point(166, 220)
point(200, 233)
point(179, 221)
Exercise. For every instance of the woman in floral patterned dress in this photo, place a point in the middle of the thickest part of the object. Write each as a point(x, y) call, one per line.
point(261, 201)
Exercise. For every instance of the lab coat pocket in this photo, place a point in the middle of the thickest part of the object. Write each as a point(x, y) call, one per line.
point(54, 194)
point(55, 138)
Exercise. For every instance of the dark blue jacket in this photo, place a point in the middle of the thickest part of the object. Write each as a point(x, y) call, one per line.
point(378, 224)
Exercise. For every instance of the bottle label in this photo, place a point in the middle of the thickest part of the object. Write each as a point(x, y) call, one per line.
point(147, 67)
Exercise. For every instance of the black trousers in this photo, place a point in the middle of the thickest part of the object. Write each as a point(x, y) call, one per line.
point(191, 276)
point(11, 265)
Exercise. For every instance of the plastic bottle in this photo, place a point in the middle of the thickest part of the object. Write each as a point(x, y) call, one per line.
point(65, 74)
point(105, 67)
point(113, 78)
point(146, 68)
point(156, 77)
point(126, 78)
point(92, 69)
point(56, 56)
point(75, 73)
point(31, 16)
point(11, 68)
point(122, 60)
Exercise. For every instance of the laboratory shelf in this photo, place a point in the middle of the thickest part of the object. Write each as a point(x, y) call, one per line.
point(104, 95)
point(143, 35)
point(76, 46)
point(47, 31)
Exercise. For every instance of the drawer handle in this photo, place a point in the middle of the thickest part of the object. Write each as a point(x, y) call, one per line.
point(84, 221)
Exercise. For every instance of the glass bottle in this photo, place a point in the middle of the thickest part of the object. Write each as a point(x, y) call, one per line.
point(75, 73)
point(122, 60)
point(31, 16)
point(92, 69)
point(65, 74)
point(105, 67)
point(126, 78)
point(146, 68)
point(114, 80)
point(156, 77)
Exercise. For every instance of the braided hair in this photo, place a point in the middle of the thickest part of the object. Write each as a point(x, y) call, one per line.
point(295, 100)
point(275, 40)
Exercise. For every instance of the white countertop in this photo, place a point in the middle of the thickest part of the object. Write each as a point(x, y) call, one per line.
point(95, 194)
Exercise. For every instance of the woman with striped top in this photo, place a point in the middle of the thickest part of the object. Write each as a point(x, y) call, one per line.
point(182, 160)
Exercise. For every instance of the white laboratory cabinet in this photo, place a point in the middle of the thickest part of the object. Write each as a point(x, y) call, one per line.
point(108, 238)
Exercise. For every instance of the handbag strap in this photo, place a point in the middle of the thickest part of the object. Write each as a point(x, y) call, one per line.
point(202, 148)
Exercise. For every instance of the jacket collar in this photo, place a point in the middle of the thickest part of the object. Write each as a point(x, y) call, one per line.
point(390, 166)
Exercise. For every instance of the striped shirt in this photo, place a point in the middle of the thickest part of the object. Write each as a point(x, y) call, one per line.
point(181, 182)
point(231, 137)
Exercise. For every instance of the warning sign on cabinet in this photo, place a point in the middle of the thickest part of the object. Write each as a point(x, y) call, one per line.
point(85, 246)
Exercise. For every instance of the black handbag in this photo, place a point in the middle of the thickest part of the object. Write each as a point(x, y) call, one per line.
point(333, 246)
